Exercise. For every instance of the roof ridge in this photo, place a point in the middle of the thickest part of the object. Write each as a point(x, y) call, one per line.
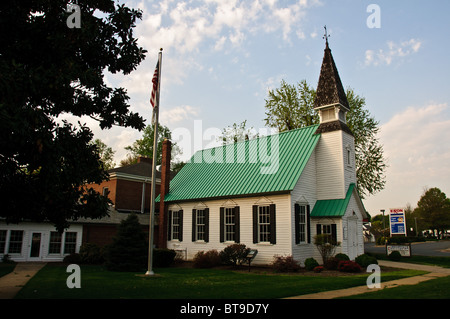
point(259, 137)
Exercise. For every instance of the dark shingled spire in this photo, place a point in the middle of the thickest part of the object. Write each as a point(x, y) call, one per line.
point(329, 89)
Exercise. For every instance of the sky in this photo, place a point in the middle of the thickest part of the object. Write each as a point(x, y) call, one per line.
point(220, 58)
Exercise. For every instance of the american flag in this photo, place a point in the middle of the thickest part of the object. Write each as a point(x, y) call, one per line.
point(155, 85)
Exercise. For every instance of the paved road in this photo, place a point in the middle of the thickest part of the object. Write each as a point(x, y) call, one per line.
point(430, 248)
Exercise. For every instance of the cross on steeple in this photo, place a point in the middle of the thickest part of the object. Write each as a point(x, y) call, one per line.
point(326, 35)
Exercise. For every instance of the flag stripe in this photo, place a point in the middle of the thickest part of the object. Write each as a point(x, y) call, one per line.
point(155, 85)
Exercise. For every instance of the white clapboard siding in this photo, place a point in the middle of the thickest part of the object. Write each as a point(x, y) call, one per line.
point(266, 252)
point(329, 166)
point(304, 193)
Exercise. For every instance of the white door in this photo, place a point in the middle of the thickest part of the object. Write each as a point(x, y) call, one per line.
point(352, 238)
point(35, 251)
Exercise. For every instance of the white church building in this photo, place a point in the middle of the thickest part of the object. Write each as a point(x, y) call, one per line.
point(274, 193)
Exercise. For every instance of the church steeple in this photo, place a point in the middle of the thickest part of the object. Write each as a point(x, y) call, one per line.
point(331, 100)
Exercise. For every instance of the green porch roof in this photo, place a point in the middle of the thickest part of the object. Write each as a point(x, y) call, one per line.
point(333, 207)
point(238, 169)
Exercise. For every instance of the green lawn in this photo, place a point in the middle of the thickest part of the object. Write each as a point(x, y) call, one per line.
point(96, 282)
point(432, 289)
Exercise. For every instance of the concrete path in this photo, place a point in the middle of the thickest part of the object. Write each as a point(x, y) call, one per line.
point(11, 283)
point(435, 272)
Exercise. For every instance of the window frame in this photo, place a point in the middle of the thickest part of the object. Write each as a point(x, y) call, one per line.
point(11, 241)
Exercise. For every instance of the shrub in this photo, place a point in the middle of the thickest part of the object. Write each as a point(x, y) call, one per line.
point(395, 256)
point(311, 263)
point(207, 259)
point(365, 260)
point(234, 254)
point(318, 269)
point(341, 256)
point(326, 245)
point(73, 258)
point(331, 263)
point(285, 264)
point(129, 250)
point(163, 257)
point(348, 266)
point(91, 254)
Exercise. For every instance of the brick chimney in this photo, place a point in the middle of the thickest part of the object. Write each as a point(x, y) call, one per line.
point(165, 182)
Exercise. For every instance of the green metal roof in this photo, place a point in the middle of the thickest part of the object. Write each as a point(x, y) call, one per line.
point(332, 207)
point(239, 169)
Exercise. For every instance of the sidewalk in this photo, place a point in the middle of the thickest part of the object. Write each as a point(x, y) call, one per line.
point(14, 281)
point(435, 272)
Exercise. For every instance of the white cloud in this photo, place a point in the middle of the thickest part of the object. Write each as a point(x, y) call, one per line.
point(178, 114)
point(416, 145)
point(393, 52)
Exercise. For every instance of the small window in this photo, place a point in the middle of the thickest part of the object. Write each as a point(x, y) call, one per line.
point(54, 246)
point(201, 222)
point(264, 223)
point(176, 225)
point(349, 157)
point(15, 242)
point(105, 191)
point(200, 225)
point(301, 224)
point(230, 224)
point(70, 242)
point(2, 241)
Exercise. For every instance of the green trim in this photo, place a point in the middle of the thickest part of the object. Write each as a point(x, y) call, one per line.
point(333, 207)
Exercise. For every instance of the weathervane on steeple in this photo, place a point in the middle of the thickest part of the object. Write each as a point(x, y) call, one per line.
point(326, 35)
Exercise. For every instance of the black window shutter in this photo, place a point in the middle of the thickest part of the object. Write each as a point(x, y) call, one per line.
point(181, 225)
point(318, 229)
point(206, 224)
point(297, 220)
point(237, 227)
point(193, 224)
point(334, 232)
point(273, 226)
point(255, 224)
point(222, 224)
point(308, 229)
point(169, 225)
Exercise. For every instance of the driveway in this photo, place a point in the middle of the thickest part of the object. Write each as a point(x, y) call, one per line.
point(429, 248)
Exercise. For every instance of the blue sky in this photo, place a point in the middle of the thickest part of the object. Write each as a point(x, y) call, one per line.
point(221, 57)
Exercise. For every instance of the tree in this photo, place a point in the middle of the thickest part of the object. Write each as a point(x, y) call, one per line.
point(291, 107)
point(106, 154)
point(144, 146)
point(434, 210)
point(237, 133)
point(48, 69)
point(129, 250)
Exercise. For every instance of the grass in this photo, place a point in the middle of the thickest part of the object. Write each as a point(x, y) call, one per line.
point(183, 283)
point(432, 289)
point(424, 260)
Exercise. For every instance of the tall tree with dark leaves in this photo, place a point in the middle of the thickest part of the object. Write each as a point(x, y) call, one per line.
point(48, 69)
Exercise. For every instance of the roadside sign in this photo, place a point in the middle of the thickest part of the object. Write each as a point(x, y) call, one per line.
point(404, 250)
point(397, 221)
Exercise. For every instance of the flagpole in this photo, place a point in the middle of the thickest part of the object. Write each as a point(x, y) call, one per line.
point(155, 146)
